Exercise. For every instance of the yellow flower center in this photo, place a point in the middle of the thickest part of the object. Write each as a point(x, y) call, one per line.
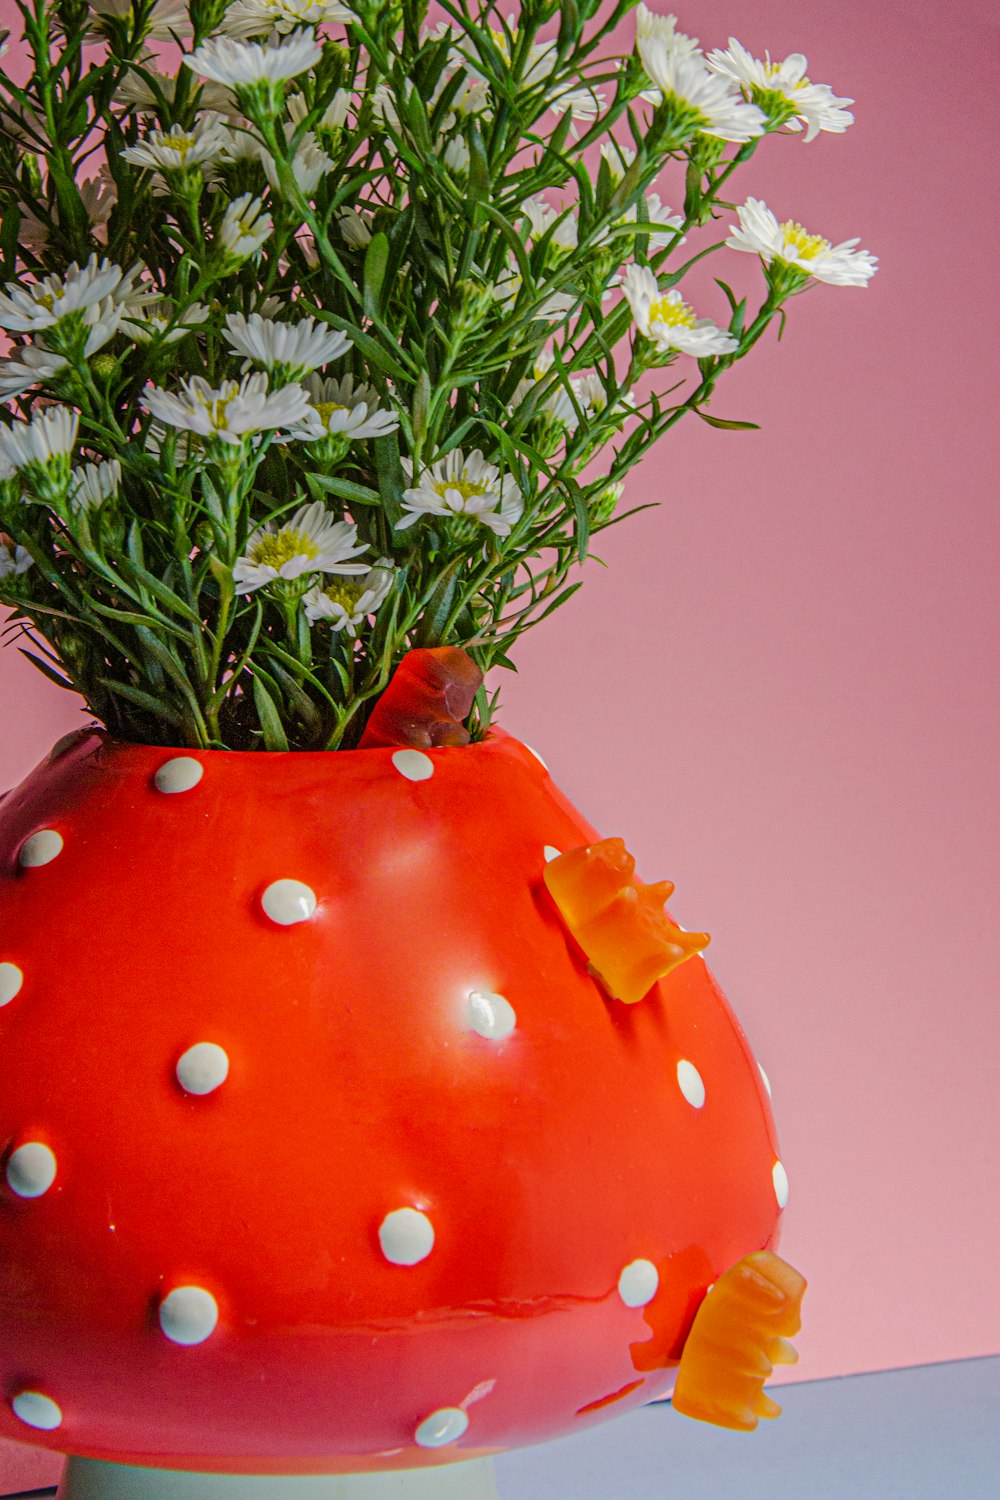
point(463, 486)
point(275, 548)
point(344, 593)
point(181, 144)
point(499, 39)
point(674, 314)
point(326, 409)
point(805, 246)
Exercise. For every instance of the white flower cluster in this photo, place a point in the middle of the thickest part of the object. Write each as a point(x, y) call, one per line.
point(701, 100)
point(460, 486)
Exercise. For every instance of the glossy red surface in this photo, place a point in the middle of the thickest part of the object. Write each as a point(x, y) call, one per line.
point(547, 1160)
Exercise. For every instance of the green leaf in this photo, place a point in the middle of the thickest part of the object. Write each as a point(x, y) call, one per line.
point(376, 260)
point(390, 476)
point(270, 719)
point(357, 494)
point(724, 424)
point(144, 579)
point(582, 530)
point(439, 608)
point(143, 700)
point(48, 671)
point(421, 402)
point(300, 701)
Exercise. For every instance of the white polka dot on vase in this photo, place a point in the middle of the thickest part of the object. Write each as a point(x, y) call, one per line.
point(179, 774)
point(532, 751)
point(491, 1016)
point(11, 980)
point(638, 1283)
point(288, 901)
point(442, 1427)
point(31, 1170)
point(406, 1236)
point(40, 848)
point(188, 1315)
point(202, 1068)
point(36, 1410)
point(551, 853)
point(767, 1081)
point(780, 1179)
point(691, 1083)
point(413, 764)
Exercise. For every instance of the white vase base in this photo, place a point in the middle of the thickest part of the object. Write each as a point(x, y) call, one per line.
point(92, 1479)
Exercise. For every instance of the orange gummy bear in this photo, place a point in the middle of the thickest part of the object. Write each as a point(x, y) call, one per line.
point(618, 921)
point(739, 1334)
point(430, 693)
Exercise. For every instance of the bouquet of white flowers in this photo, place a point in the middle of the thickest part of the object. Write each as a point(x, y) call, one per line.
point(334, 331)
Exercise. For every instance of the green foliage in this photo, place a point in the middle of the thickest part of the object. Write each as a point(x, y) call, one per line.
point(431, 193)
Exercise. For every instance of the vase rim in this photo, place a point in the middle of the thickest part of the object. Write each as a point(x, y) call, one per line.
point(495, 734)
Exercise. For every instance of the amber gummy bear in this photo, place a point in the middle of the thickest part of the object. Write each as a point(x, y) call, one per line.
point(618, 921)
point(740, 1332)
point(428, 696)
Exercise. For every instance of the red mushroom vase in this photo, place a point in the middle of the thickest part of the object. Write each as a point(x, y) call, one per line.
point(326, 1145)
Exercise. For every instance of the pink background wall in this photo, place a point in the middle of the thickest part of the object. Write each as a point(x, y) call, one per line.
point(783, 693)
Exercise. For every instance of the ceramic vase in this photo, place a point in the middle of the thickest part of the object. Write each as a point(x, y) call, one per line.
point(325, 1152)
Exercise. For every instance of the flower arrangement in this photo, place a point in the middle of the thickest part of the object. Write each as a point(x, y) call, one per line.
point(334, 331)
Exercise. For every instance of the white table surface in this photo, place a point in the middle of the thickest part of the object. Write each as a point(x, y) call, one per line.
point(931, 1433)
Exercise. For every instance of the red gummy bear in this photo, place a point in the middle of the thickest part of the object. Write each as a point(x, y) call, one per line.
point(430, 693)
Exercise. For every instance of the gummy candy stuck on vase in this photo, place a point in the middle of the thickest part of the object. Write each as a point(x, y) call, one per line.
point(618, 921)
point(429, 695)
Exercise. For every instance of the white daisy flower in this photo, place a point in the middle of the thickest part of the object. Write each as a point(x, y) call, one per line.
point(657, 221)
point(334, 117)
point(384, 106)
point(459, 486)
point(584, 103)
point(27, 367)
point(160, 319)
point(291, 348)
point(42, 304)
point(49, 437)
point(310, 165)
point(507, 289)
point(168, 19)
point(245, 64)
point(782, 90)
point(650, 25)
point(177, 149)
point(619, 158)
point(101, 323)
point(702, 101)
point(562, 405)
point(348, 603)
point(663, 225)
point(542, 218)
point(236, 410)
point(455, 155)
point(311, 542)
point(355, 228)
point(260, 17)
point(594, 397)
point(245, 227)
point(339, 408)
point(761, 234)
point(136, 91)
point(14, 560)
point(99, 195)
point(92, 484)
point(666, 319)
